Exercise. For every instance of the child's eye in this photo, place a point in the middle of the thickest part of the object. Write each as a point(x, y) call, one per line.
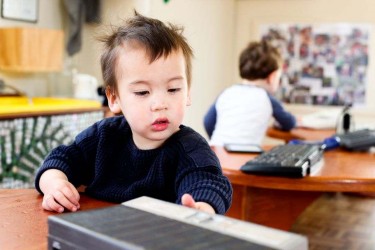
point(141, 93)
point(174, 90)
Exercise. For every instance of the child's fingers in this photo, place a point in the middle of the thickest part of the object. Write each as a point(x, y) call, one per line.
point(50, 204)
point(62, 199)
point(71, 193)
point(57, 202)
point(188, 201)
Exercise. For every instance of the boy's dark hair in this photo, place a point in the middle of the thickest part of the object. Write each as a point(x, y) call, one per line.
point(158, 39)
point(258, 60)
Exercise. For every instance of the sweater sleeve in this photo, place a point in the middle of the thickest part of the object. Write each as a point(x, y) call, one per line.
point(284, 120)
point(209, 121)
point(199, 174)
point(76, 160)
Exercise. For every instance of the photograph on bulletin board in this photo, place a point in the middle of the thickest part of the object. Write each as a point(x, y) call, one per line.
point(324, 64)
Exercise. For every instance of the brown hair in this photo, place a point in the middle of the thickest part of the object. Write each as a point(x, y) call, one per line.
point(258, 60)
point(158, 39)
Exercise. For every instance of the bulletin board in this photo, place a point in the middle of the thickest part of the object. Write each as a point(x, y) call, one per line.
point(325, 64)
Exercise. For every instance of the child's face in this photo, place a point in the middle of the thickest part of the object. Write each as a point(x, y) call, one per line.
point(153, 97)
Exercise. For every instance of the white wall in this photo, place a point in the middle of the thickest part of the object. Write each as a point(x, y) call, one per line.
point(88, 59)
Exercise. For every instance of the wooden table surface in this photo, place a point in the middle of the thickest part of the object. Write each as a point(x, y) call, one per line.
point(300, 133)
point(23, 222)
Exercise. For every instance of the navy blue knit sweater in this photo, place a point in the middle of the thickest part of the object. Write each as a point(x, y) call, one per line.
point(105, 159)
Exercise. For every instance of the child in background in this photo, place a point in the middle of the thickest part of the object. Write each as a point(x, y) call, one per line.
point(146, 68)
point(242, 112)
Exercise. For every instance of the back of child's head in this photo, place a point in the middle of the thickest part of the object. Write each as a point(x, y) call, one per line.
point(158, 40)
point(258, 60)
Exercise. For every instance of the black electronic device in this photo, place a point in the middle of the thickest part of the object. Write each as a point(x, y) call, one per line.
point(359, 140)
point(286, 160)
point(147, 223)
point(243, 148)
point(345, 120)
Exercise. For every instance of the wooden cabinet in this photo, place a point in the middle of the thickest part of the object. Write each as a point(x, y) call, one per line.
point(30, 49)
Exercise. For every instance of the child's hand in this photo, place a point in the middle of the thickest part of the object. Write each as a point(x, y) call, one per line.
point(59, 193)
point(62, 195)
point(188, 201)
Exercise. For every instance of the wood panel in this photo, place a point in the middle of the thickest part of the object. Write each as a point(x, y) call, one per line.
point(269, 207)
point(30, 49)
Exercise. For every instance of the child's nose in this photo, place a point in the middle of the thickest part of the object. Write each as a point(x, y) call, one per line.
point(158, 103)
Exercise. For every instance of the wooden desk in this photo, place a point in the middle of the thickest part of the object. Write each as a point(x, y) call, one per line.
point(270, 201)
point(23, 222)
point(278, 201)
point(300, 133)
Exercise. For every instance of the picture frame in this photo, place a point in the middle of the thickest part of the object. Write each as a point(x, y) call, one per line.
point(20, 10)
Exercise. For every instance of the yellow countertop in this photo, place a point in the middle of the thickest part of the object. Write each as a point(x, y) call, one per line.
point(24, 105)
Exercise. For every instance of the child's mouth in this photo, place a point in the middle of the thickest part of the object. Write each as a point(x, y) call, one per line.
point(160, 124)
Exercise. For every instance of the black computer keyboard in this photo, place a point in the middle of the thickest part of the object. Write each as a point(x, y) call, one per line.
point(285, 160)
point(357, 140)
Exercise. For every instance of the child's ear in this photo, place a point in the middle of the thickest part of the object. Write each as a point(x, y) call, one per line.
point(273, 81)
point(113, 102)
point(272, 77)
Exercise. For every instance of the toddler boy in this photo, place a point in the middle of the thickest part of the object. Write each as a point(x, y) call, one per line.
point(146, 67)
